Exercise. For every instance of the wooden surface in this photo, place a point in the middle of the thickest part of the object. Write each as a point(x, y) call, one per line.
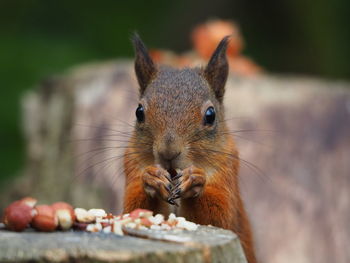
point(207, 244)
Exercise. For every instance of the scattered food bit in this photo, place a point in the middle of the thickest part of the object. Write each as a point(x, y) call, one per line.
point(83, 216)
point(140, 219)
point(140, 213)
point(97, 212)
point(21, 214)
point(97, 227)
point(157, 219)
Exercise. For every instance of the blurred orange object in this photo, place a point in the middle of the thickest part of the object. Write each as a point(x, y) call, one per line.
point(243, 66)
point(157, 55)
point(205, 38)
point(170, 58)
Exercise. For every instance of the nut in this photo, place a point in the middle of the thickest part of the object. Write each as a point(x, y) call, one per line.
point(30, 201)
point(45, 219)
point(83, 216)
point(157, 219)
point(97, 227)
point(138, 213)
point(146, 222)
point(65, 214)
point(117, 228)
point(17, 216)
point(97, 212)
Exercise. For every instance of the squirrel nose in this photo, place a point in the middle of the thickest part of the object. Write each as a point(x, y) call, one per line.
point(169, 149)
point(168, 156)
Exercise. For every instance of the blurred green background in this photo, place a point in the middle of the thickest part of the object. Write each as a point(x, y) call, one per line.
point(43, 37)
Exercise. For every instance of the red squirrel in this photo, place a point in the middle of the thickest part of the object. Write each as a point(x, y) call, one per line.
point(181, 156)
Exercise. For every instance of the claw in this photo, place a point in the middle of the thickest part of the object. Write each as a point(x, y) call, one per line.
point(171, 201)
point(167, 176)
point(177, 176)
point(176, 196)
point(175, 191)
point(177, 185)
point(169, 188)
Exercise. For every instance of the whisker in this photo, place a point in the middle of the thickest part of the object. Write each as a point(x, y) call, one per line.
point(234, 156)
point(106, 148)
point(107, 159)
point(234, 118)
point(208, 160)
point(112, 117)
point(100, 151)
point(105, 140)
point(120, 170)
point(250, 140)
point(250, 130)
point(98, 127)
point(250, 165)
point(97, 140)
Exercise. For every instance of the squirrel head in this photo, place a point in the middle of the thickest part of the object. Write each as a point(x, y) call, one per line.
point(180, 113)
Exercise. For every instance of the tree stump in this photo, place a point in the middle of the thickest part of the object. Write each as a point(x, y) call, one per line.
point(207, 244)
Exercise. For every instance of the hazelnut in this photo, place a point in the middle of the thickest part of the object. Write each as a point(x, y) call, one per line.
point(30, 201)
point(45, 219)
point(17, 216)
point(65, 214)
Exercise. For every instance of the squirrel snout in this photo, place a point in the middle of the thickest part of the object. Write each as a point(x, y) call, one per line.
point(168, 156)
point(169, 151)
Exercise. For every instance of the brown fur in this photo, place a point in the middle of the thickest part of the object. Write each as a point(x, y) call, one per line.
point(173, 136)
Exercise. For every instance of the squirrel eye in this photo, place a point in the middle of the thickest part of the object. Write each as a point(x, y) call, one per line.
point(209, 116)
point(140, 114)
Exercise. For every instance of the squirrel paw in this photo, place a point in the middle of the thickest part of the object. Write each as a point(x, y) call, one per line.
point(191, 183)
point(156, 181)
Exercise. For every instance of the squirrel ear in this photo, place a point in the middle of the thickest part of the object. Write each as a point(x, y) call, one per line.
point(217, 69)
point(144, 66)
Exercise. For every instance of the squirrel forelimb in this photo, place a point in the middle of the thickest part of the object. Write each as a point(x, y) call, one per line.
point(191, 183)
point(188, 183)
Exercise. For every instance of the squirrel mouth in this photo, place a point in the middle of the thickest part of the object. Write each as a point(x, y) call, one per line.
point(172, 172)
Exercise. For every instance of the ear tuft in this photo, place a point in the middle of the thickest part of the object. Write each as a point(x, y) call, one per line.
point(144, 66)
point(217, 69)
